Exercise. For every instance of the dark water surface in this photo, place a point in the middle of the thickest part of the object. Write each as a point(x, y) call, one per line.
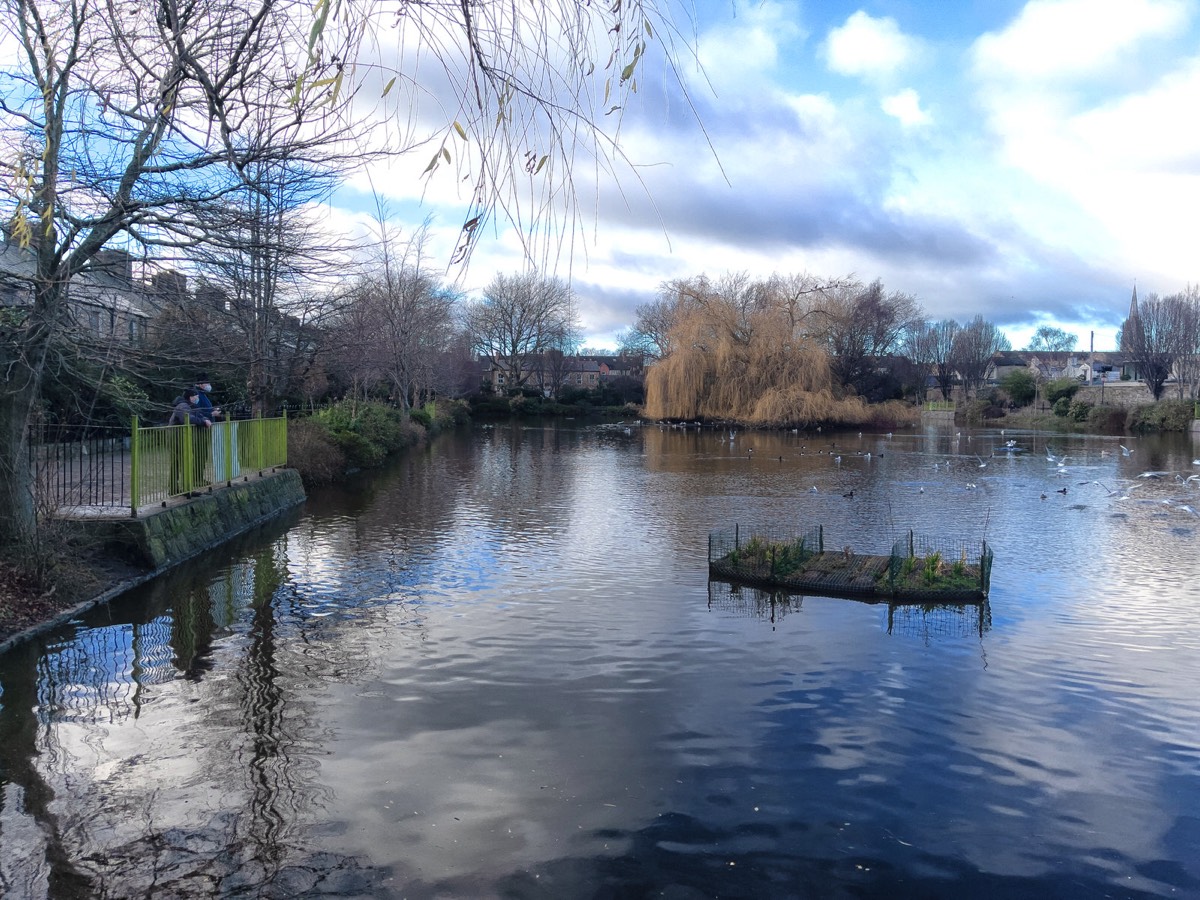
point(499, 670)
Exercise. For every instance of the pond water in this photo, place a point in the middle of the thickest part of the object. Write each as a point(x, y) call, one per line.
point(499, 670)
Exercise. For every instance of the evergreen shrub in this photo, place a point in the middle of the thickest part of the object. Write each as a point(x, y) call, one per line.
point(1166, 415)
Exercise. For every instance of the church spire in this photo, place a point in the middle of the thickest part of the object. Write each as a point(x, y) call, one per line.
point(1133, 309)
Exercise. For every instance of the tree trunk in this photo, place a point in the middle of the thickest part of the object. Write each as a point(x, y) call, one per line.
point(18, 517)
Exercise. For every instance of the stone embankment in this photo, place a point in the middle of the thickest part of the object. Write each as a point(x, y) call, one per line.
point(144, 547)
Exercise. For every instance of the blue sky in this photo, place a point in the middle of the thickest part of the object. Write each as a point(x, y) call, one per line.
point(1025, 161)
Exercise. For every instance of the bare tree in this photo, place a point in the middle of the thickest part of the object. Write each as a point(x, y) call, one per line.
point(648, 335)
point(120, 120)
point(861, 326)
point(942, 337)
point(1187, 364)
point(268, 271)
point(411, 320)
point(1158, 336)
point(520, 317)
point(1048, 339)
point(973, 349)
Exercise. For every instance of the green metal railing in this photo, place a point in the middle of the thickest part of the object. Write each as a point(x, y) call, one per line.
point(176, 460)
point(939, 406)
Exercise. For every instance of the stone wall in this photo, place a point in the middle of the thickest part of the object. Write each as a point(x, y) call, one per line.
point(1125, 394)
point(161, 539)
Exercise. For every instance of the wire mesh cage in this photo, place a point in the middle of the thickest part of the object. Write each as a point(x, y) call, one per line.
point(918, 569)
point(931, 622)
point(765, 554)
point(751, 602)
point(939, 566)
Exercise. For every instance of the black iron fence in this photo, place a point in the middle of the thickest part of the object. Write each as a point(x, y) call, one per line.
point(79, 468)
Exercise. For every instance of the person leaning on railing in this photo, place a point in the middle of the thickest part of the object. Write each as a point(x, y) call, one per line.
point(186, 412)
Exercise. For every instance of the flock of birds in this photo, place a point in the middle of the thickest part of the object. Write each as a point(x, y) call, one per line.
point(954, 463)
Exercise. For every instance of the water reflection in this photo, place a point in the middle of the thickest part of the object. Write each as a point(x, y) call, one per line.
point(500, 669)
point(925, 621)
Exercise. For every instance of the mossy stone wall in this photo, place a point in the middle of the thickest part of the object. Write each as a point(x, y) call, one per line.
point(164, 538)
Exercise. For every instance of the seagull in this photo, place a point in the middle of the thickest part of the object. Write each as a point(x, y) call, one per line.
point(982, 464)
point(837, 460)
point(1125, 451)
point(813, 489)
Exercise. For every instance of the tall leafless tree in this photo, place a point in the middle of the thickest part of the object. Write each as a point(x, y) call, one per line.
point(411, 317)
point(1163, 333)
point(518, 318)
point(973, 348)
point(862, 325)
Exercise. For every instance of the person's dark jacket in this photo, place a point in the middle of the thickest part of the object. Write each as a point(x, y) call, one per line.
point(204, 404)
point(184, 413)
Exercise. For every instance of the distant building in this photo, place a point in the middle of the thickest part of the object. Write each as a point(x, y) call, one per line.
point(105, 301)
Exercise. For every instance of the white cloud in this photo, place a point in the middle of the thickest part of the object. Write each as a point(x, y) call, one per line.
point(739, 57)
point(906, 106)
point(1119, 156)
point(868, 47)
point(1054, 39)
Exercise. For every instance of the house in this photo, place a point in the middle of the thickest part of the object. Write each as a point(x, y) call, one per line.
point(105, 301)
point(1004, 363)
point(549, 371)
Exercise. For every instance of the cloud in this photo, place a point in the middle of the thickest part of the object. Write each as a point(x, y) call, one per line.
point(906, 107)
point(1065, 39)
point(868, 47)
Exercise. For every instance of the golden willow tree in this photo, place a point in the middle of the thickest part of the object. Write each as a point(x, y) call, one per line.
point(751, 352)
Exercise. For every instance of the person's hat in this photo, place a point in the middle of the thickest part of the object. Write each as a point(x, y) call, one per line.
point(191, 391)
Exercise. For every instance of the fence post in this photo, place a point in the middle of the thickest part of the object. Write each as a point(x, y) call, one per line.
point(261, 442)
point(227, 427)
point(910, 543)
point(134, 469)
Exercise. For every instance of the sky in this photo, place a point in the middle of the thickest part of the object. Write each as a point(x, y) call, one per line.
point(1028, 162)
